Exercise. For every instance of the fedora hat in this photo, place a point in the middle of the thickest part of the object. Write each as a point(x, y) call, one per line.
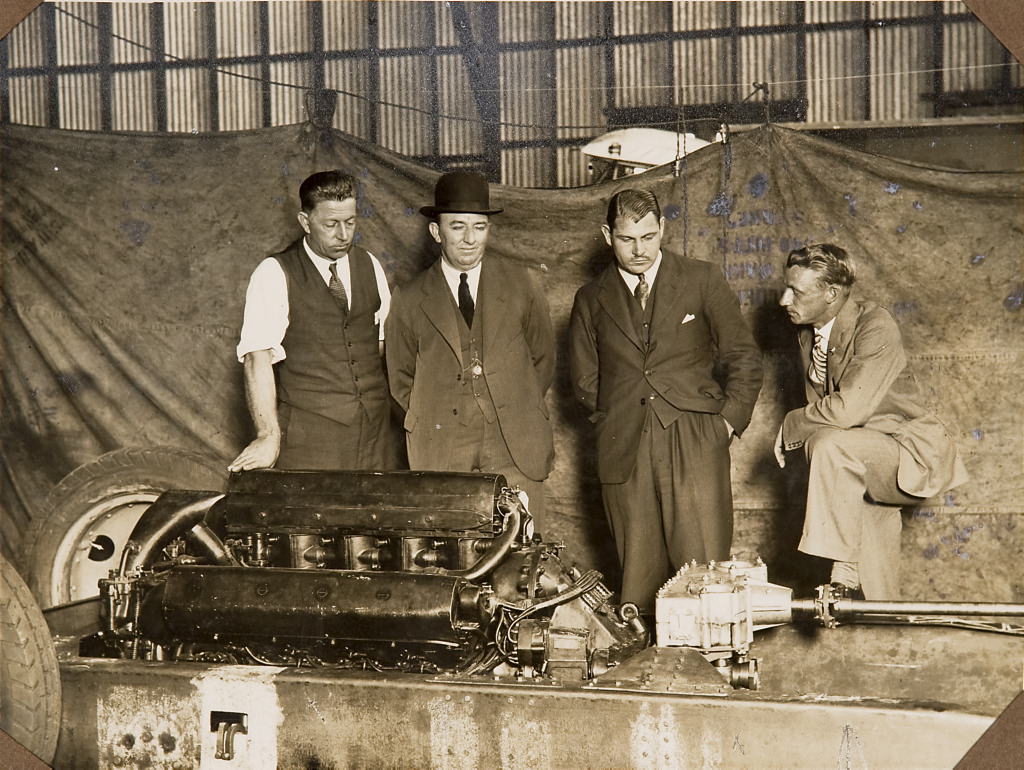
point(460, 192)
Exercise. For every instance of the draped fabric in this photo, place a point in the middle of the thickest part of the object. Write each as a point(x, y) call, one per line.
point(125, 260)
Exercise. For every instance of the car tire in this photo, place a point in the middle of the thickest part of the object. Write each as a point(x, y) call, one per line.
point(87, 518)
point(30, 695)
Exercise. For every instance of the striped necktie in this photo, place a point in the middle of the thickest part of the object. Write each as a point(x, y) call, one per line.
point(642, 291)
point(819, 360)
point(337, 288)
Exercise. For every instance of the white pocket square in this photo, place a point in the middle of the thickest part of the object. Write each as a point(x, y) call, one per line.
point(687, 318)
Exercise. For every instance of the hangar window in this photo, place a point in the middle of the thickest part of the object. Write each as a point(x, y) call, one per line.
point(513, 89)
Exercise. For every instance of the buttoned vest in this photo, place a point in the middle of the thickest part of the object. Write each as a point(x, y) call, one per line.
point(332, 366)
point(473, 390)
point(641, 317)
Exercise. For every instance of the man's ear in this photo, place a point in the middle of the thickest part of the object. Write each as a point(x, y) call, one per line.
point(303, 218)
point(607, 234)
point(435, 231)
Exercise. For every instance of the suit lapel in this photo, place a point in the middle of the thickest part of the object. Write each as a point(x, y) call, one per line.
point(839, 342)
point(670, 292)
point(805, 336)
point(437, 307)
point(490, 304)
point(614, 298)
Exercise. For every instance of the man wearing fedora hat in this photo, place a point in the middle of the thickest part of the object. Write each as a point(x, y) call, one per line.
point(470, 351)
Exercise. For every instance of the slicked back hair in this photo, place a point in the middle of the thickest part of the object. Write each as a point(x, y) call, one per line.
point(832, 264)
point(331, 185)
point(633, 203)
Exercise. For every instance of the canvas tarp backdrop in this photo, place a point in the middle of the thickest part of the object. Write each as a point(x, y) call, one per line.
point(126, 257)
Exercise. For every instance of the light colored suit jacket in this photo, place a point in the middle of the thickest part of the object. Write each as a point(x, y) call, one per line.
point(701, 356)
point(424, 362)
point(868, 385)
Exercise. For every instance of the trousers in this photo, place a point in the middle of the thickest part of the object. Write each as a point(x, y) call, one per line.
point(853, 505)
point(676, 505)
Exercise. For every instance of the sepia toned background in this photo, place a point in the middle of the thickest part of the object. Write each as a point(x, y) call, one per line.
point(151, 154)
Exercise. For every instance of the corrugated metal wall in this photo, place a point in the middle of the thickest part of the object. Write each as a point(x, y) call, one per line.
point(131, 92)
point(836, 85)
point(345, 28)
point(189, 89)
point(580, 87)
point(413, 75)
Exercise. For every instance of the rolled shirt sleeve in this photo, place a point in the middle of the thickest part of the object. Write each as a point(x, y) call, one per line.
point(266, 305)
point(266, 312)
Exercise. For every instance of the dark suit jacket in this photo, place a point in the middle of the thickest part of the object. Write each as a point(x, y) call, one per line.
point(868, 385)
point(701, 357)
point(423, 353)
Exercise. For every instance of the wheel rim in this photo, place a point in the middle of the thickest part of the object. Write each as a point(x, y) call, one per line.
point(93, 546)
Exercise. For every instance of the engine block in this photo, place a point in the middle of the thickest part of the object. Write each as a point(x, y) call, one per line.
point(412, 571)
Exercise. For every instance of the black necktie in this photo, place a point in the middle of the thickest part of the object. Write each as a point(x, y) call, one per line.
point(337, 289)
point(465, 299)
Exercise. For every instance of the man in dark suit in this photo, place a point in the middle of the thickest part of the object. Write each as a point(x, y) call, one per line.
point(870, 444)
point(669, 371)
point(470, 351)
point(315, 311)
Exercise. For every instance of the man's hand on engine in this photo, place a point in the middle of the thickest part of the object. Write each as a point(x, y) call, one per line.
point(261, 453)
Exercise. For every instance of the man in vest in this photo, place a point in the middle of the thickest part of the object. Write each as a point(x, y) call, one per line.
point(470, 351)
point(316, 312)
point(665, 364)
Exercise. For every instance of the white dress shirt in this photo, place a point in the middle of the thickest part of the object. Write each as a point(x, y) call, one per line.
point(266, 302)
point(451, 275)
point(821, 336)
point(825, 332)
point(632, 279)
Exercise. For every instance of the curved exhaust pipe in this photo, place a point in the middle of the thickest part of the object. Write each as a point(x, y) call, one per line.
point(174, 514)
point(502, 544)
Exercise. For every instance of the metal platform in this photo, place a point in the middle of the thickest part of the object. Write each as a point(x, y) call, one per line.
point(854, 697)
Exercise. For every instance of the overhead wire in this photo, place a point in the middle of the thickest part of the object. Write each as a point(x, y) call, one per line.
point(765, 86)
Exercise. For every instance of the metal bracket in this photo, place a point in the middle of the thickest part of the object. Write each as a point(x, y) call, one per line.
point(227, 724)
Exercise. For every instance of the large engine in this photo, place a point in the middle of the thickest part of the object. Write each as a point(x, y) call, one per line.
point(410, 571)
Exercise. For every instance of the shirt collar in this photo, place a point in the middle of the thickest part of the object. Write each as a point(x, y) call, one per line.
point(825, 332)
point(322, 263)
point(650, 274)
point(451, 277)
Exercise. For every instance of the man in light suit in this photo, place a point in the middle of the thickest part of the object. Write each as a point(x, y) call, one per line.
point(669, 371)
point(470, 351)
point(870, 443)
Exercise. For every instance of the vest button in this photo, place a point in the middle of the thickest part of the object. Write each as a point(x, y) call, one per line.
point(643, 401)
point(455, 411)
